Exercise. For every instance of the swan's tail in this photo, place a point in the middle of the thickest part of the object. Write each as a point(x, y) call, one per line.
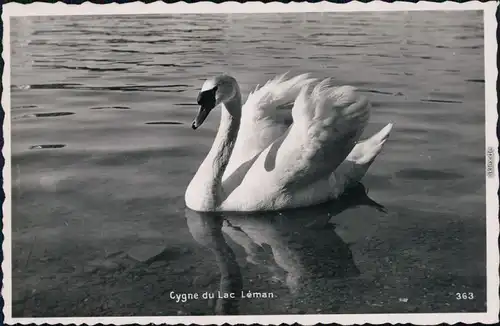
point(359, 160)
point(365, 151)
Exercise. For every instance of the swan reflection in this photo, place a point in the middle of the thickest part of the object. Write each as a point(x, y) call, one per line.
point(299, 248)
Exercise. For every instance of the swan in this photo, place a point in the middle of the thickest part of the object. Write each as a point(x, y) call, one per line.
point(294, 143)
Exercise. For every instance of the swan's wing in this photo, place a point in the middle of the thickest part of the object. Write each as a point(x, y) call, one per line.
point(296, 169)
point(328, 122)
point(271, 104)
point(266, 116)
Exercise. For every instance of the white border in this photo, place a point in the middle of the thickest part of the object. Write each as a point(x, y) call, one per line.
point(490, 48)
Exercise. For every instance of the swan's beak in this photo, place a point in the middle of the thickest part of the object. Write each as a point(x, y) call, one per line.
point(200, 117)
point(206, 100)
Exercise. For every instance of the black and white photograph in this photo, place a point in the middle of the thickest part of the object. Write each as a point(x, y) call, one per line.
point(249, 163)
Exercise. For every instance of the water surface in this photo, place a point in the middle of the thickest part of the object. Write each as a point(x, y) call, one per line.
point(102, 152)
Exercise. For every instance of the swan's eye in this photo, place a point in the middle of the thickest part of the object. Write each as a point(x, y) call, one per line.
point(207, 98)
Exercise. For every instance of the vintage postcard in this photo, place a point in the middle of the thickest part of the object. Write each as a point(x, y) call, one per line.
point(250, 163)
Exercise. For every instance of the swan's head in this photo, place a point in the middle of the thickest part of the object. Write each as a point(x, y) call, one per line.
point(215, 91)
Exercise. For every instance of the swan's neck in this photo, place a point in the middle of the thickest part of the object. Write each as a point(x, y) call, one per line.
point(223, 145)
point(211, 171)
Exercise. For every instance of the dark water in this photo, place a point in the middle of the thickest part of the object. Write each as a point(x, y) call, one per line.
point(102, 153)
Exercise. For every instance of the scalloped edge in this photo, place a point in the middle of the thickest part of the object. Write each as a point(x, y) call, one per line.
point(44, 8)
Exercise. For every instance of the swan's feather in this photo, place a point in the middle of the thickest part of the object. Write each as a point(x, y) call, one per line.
point(276, 94)
point(298, 168)
point(266, 116)
point(328, 122)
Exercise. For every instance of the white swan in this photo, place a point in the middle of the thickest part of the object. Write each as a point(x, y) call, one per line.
point(293, 144)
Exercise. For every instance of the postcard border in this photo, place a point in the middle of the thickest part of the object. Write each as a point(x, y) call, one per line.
point(87, 8)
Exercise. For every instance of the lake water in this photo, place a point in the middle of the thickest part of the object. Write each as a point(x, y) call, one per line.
point(102, 152)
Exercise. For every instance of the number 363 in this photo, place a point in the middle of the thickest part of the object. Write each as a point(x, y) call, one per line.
point(464, 295)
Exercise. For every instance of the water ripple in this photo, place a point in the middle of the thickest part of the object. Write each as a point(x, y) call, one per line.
point(52, 114)
point(163, 123)
point(124, 88)
point(80, 68)
point(48, 146)
point(425, 174)
point(440, 101)
point(481, 81)
point(110, 107)
point(375, 91)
